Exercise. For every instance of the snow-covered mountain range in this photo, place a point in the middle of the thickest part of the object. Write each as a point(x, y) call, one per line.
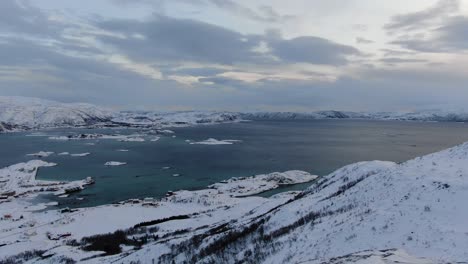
point(22, 113)
point(428, 115)
point(18, 113)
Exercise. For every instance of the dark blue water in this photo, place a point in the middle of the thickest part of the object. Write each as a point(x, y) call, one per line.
point(315, 146)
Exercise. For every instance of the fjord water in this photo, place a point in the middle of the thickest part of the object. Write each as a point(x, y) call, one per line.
point(317, 146)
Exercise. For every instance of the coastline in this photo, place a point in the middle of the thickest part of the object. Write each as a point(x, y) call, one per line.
point(193, 213)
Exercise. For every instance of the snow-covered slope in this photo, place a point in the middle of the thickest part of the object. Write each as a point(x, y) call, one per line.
point(310, 115)
point(28, 112)
point(174, 118)
point(440, 116)
point(197, 117)
point(418, 206)
point(5, 127)
point(20, 113)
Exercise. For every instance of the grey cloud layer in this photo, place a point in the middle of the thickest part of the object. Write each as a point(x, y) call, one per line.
point(450, 37)
point(25, 19)
point(266, 14)
point(435, 30)
point(311, 50)
point(423, 18)
point(189, 40)
point(178, 40)
point(38, 60)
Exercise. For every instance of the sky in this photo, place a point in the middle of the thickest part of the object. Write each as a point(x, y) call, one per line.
point(245, 55)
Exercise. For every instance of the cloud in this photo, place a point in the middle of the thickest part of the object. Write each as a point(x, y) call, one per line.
point(309, 49)
point(21, 17)
point(450, 37)
point(374, 90)
point(226, 81)
point(437, 29)
point(37, 70)
point(86, 79)
point(361, 40)
point(181, 40)
point(167, 63)
point(454, 34)
point(396, 60)
point(202, 71)
point(360, 27)
point(394, 52)
point(424, 18)
point(170, 39)
point(265, 13)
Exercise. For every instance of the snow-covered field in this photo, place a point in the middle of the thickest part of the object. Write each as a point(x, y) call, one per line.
point(367, 212)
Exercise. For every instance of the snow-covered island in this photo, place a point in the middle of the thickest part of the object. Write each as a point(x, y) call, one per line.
point(132, 139)
point(41, 154)
point(115, 163)
point(212, 141)
point(248, 186)
point(376, 211)
point(97, 136)
point(80, 154)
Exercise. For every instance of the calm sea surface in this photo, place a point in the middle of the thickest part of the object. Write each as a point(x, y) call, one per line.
point(319, 147)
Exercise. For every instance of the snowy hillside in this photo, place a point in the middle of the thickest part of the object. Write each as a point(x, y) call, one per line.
point(440, 116)
point(171, 119)
point(28, 112)
point(417, 207)
point(367, 212)
point(5, 127)
point(198, 117)
point(20, 113)
point(311, 115)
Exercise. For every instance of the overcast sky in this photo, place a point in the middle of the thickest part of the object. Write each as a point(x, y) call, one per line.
point(244, 55)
